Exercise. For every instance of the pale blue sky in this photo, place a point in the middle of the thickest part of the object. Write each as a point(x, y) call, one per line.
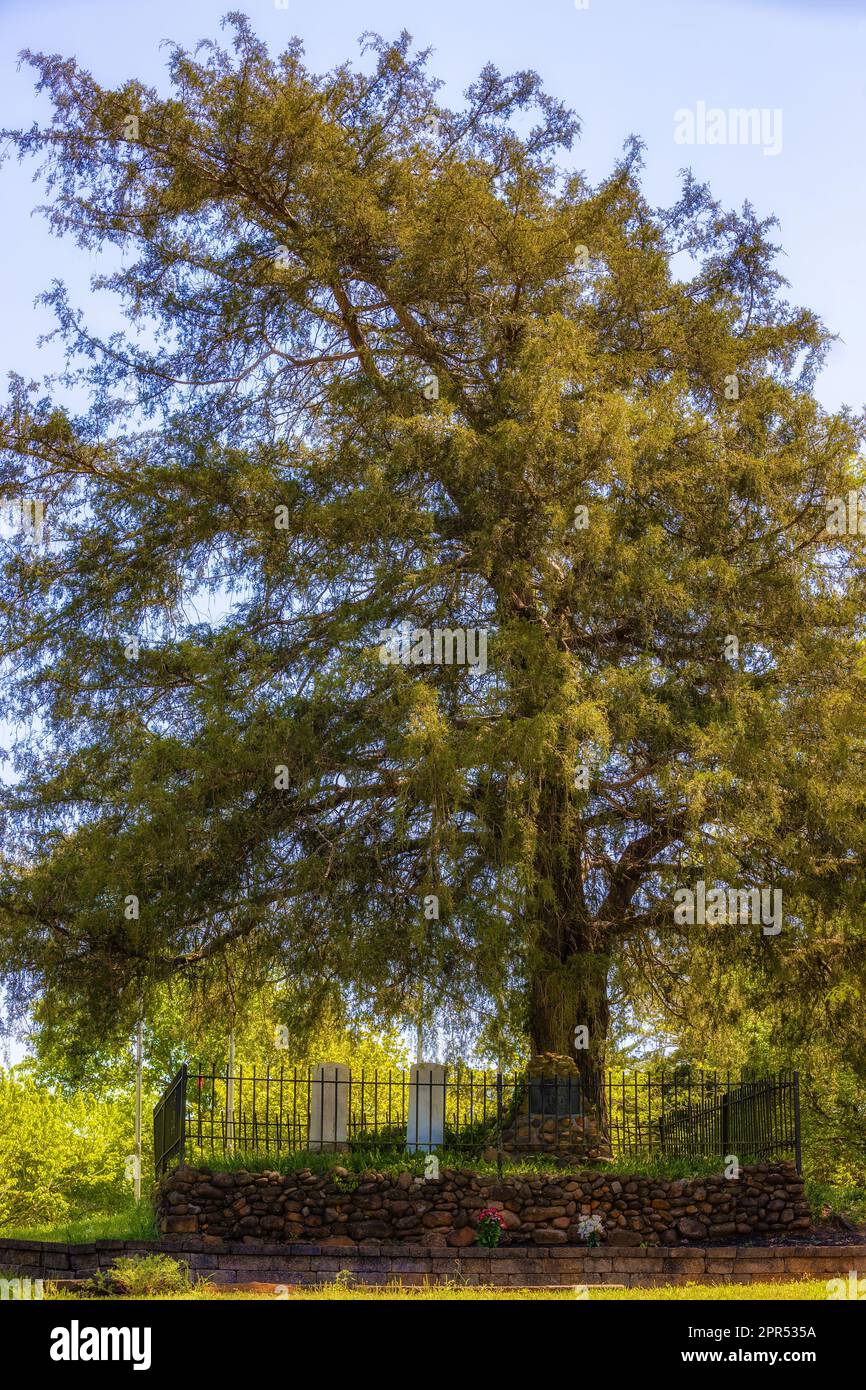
point(625, 66)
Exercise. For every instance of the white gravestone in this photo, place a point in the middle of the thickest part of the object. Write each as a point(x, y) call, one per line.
point(425, 1112)
point(329, 1107)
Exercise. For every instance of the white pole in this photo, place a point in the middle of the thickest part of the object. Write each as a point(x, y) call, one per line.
point(138, 1051)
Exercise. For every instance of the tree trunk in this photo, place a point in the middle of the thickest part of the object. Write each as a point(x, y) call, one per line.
point(570, 937)
point(568, 965)
point(566, 996)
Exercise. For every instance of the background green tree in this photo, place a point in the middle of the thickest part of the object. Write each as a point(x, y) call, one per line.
point(61, 1155)
point(617, 467)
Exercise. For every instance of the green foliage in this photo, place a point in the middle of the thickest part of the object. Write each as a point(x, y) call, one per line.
point(60, 1156)
point(468, 1139)
point(299, 253)
point(257, 489)
point(185, 1024)
point(834, 1204)
point(141, 1276)
point(802, 1012)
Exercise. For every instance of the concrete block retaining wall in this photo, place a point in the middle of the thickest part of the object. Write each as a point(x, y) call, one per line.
point(236, 1262)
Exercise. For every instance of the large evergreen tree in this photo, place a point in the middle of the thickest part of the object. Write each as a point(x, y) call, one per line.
point(385, 363)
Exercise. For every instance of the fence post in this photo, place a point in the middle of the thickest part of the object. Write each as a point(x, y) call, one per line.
point(183, 1076)
point(329, 1107)
point(798, 1141)
point(158, 1133)
point(425, 1121)
point(499, 1123)
point(230, 1095)
point(726, 1123)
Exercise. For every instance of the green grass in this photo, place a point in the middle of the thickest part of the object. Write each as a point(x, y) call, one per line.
point(828, 1200)
point(810, 1290)
point(129, 1222)
point(389, 1161)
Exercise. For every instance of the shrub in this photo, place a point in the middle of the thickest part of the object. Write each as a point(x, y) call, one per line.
point(59, 1154)
point(141, 1276)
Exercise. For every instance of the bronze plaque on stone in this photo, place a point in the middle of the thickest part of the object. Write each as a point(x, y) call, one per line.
point(555, 1096)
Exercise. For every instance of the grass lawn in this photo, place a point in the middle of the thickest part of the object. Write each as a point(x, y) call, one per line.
point(130, 1222)
point(813, 1290)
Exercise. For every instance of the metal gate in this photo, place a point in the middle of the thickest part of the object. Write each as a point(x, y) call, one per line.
point(169, 1125)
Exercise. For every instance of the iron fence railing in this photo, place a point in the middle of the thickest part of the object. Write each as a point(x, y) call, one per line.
point(169, 1124)
point(759, 1117)
point(209, 1112)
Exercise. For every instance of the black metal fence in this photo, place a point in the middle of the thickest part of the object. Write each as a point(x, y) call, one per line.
point(169, 1124)
point(760, 1118)
point(683, 1113)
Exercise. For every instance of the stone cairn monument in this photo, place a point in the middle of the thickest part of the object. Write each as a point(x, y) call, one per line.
point(552, 1114)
